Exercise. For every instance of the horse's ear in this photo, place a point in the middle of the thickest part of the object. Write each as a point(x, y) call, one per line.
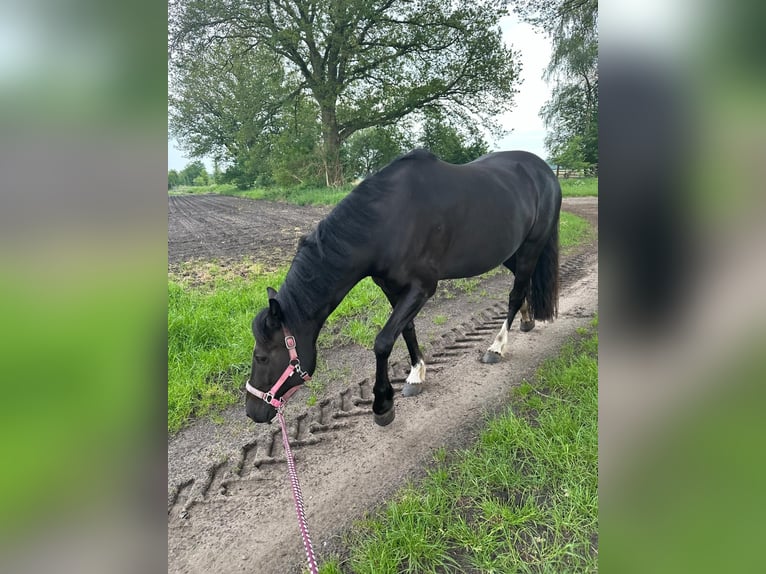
point(275, 311)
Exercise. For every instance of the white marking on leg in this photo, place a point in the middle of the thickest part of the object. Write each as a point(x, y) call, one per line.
point(501, 339)
point(417, 373)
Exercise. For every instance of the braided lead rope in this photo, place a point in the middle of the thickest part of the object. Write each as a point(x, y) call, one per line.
point(298, 498)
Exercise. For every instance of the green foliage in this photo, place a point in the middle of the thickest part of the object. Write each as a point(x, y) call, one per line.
point(239, 104)
point(194, 174)
point(571, 155)
point(524, 496)
point(371, 149)
point(572, 120)
point(238, 68)
point(174, 180)
point(449, 144)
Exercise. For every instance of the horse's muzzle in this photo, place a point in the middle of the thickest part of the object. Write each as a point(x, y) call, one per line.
point(258, 410)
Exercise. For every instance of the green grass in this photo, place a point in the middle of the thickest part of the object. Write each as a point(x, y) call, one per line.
point(209, 342)
point(522, 499)
point(295, 195)
point(573, 231)
point(579, 187)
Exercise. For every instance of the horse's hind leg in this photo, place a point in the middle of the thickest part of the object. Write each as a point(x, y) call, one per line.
point(522, 267)
point(527, 322)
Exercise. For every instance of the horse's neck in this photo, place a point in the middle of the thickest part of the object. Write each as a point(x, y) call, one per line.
point(318, 299)
point(317, 315)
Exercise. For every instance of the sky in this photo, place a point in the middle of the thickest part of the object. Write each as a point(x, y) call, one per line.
point(528, 131)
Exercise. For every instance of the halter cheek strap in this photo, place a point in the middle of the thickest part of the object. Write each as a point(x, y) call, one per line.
point(294, 366)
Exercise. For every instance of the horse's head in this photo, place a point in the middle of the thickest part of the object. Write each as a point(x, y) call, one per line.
point(276, 372)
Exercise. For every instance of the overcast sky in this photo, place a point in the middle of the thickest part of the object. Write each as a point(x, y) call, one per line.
point(528, 130)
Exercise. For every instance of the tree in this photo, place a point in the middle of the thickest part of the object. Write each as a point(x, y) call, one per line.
point(371, 149)
point(364, 63)
point(572, 111)
point(194, 174)
point(571, 155)
point(174, 180)
point(569, 116)
point(449, 144)
point(230, 103)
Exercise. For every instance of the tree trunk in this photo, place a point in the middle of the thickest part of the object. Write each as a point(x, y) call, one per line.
point(331, 148)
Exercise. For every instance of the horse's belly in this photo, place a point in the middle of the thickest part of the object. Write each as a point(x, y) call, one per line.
point(468, 259)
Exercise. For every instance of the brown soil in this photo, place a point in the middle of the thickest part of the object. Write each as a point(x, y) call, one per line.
point(206, 226)
point(229, 502)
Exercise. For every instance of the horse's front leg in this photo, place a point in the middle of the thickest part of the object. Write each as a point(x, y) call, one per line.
point(408, 305)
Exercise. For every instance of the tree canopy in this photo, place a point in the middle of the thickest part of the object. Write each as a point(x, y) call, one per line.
point(344, 66)
point(193, 174)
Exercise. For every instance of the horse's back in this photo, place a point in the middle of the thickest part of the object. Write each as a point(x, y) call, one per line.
point(496, 180)
point(462, 220)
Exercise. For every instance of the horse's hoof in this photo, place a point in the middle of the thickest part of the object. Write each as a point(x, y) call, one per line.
point(409, 390)
point(527, 326)
point(385, 418)
point(490, 358)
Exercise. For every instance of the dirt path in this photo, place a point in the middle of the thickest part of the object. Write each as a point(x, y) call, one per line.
point(229, 502)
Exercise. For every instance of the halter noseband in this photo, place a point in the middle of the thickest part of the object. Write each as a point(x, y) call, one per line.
point(294, 366)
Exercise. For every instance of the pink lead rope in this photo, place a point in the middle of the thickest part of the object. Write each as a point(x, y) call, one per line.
point(298, 497)
point(294, 366)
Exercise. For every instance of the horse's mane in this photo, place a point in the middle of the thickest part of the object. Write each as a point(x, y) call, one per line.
point(323, 257)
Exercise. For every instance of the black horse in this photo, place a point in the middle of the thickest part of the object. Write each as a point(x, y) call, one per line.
point(416, 221)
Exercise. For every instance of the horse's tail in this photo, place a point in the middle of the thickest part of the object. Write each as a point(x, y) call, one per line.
point(543, 295)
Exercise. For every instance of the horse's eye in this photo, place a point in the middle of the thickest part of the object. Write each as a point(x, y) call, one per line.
point(261, 359)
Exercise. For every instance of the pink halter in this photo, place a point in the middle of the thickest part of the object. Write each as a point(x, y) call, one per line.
point(294, 366)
